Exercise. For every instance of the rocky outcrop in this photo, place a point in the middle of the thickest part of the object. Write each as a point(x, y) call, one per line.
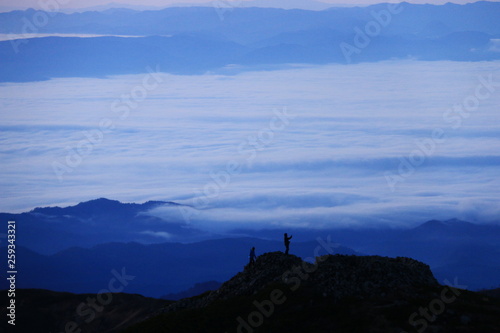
point(341, 275)
point(335, 276)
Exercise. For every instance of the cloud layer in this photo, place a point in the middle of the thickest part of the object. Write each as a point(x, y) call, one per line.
point(312, 146)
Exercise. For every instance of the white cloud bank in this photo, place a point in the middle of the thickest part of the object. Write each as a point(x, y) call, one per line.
point(325, 162)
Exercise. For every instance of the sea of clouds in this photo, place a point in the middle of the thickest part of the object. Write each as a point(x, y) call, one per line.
point(392, 143)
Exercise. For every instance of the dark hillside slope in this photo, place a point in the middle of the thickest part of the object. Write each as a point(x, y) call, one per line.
point(46, 311)
point(336, 294)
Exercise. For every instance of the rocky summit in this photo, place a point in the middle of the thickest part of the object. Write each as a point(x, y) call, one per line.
point(335, 276)
point(364, 276)
point(332, 293)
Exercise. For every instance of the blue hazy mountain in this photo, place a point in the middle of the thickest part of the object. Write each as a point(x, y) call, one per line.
point(431, 20)
point(52, 229)
point(286, 4)
point(75, 248)
point(44, 58)
point(192, 40)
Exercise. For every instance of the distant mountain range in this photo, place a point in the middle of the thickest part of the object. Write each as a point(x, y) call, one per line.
point(53, 229)
point(158, 269)
point(193, 40)
point(76, 248)
point(418, 20)
point(284, 4)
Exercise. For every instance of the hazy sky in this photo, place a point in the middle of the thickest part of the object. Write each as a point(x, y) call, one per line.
point(89, 3)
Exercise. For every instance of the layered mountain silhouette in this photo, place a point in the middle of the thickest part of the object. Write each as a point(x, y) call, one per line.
point(159, 269)
point(49, 230)
point(75, 248)
point(194, 40)
point(430, 20)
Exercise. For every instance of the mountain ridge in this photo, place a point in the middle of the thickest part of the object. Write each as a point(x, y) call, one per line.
point(282, 293)
point(335, 275)
point(110, 234)
point(204, 39)
point(338, 293)
point(153, 264)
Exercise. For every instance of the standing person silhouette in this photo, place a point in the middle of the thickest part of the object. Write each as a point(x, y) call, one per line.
point(286, 239)
point(252, 256)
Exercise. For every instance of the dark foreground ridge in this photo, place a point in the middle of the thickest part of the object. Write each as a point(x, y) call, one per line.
point(47, 311)
point(338, 293)
point(280, 293)
point(335, 276)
